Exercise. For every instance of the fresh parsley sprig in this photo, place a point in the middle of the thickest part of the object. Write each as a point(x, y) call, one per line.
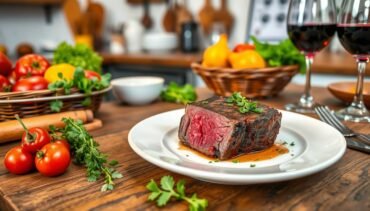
point(244, 104)
point(86, 152)
point(164, 193)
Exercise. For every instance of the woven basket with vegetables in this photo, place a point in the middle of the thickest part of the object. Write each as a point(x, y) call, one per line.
point(259, 70)
point(34, 87)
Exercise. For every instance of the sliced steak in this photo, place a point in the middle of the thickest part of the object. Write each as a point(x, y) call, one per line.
point(219, 130)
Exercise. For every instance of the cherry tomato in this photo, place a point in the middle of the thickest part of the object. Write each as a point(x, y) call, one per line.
point(18, 161)
point(31, 83)
point(242, 47)
point(35, 139)
point(31, 65)
point(92, 74)
point(62, 142)
point(5, 65)
point(52, 160)
point(4, 84)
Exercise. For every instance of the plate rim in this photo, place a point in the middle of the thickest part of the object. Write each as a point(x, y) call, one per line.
point(239, 178)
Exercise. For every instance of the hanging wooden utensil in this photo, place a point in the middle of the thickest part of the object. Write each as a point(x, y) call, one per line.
point(169, 18)
point(183, 15)
point(206, 16)
point(96, 15)
point(224, 16)
point(146, 20)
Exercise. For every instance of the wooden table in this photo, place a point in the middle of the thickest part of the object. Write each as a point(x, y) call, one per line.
point(343, 186)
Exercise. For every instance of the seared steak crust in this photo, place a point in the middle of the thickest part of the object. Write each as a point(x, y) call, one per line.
point(219, 130)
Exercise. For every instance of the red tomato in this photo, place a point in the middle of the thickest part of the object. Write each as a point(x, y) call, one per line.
point(12, 77)
point(63, 142)
point(31, 65)
point(4, 84)
point(35, 139)
point(53, 159)
point(18, 161)
point(31, 83)
point(92, 74)
point(242, 47)
point(5, 65)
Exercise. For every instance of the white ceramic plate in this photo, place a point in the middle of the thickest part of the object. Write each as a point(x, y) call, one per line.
point(316, 147)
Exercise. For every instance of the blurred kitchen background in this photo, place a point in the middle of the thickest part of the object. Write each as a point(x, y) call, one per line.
point(155, 37)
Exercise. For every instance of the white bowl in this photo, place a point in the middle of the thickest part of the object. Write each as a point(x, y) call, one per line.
point(138, 90)
point(160, 42)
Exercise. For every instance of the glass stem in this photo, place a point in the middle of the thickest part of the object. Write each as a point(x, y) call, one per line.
point(306, 99)
point(358, 99)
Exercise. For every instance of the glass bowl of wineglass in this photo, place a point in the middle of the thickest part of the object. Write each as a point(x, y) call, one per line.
point(354, 34)
point(311, 26)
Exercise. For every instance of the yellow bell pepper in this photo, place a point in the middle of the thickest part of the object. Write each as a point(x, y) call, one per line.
point(246, 59)
point(217, 54)
point(67, 70)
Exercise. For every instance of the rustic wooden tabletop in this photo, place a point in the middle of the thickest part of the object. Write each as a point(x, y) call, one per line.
point(343, 186)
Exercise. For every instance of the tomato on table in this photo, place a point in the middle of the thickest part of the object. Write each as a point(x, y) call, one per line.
point(18, 161)
point(52, 160)
point(31, 83)
point(31, 65)
point(62, 142)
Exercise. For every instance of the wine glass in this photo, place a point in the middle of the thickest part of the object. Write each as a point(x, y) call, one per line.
point(354, 34)
point(311, 26)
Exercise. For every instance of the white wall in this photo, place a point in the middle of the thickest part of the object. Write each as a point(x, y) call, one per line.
point(28, 23)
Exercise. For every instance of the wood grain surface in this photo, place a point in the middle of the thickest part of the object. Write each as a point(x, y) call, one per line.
point(343, 186)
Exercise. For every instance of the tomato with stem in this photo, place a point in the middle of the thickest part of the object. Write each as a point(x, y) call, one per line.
point(52, 160)
point(33, 139)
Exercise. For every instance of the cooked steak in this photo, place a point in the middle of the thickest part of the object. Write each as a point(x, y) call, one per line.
point(219, 130)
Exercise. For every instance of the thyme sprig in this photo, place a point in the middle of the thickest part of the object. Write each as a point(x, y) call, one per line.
point(243, 103)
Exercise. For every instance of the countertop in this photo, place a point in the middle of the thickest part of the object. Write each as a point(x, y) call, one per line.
point(324, 62)
point(343, 186)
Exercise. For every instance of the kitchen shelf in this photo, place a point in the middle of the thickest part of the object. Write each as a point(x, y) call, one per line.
point(32, 2)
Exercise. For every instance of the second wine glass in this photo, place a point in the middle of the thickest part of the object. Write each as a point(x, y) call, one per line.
point(311, 26)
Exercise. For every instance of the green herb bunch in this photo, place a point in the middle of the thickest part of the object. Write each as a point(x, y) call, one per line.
point(179, 94)
point(163, 194)
point(78, 56)
point(244, 105)
point(85, 151)
point(283, 53)
point(82, 83)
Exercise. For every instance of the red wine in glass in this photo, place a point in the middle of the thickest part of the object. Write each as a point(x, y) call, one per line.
point(355, 38)
point(311, 38)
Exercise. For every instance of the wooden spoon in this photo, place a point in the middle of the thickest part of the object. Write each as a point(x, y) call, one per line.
point(206, 16)
point(169, 18)
point(224, 16)
point(146, 20)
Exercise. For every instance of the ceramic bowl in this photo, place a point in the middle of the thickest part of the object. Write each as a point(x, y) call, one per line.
point(138, 90)
point(160, 42)
point(345, 91)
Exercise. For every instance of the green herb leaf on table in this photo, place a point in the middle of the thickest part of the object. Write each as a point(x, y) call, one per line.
point(163, 194)
point(283, 53)
point(56, 105)
point(244, 105)
point(86, 153)
point(179, 94)
point(78, 56)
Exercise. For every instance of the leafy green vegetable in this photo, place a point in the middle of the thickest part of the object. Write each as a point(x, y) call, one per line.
point(78, 56)
point(86, 152)
point(56, 105)
point(179, 94)
point(244, 105)
point(82, 83)
point(163, 195)
point(283, 53)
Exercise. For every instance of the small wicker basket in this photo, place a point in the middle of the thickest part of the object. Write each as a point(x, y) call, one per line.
point(252, 83)
point(34, 103)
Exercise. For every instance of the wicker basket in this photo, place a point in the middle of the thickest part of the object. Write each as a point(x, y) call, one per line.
point(252, 83)
point(34, 103)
